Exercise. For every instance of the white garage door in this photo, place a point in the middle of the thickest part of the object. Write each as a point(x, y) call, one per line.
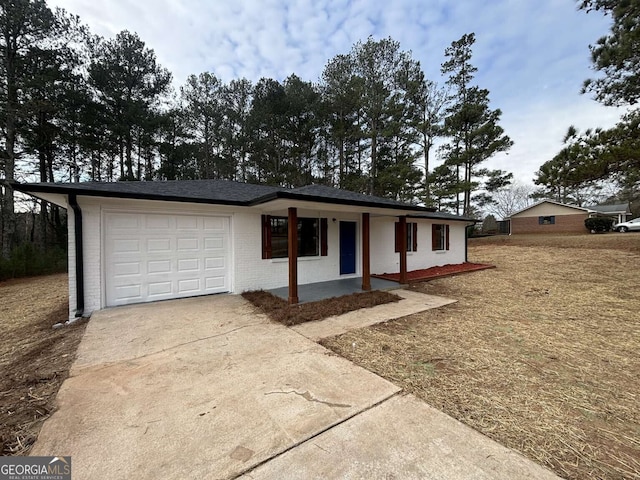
point(157, 257)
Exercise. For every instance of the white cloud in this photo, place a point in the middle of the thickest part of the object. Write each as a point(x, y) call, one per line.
point(532, 55)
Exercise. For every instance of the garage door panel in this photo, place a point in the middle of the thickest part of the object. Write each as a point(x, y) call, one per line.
point(148, 257)
point(189, 285)
point(213, 224)
point(129, 292)
point(188, 265)
point(126, 268)
point(159, 266)
point(124, 221)
point(159, 245)
point(214, 282)
point(187, 223)
point(215, 263)
point(126, 245)
point(187, 244)
point(159, 288)
point(212, 243)
point(154, 222)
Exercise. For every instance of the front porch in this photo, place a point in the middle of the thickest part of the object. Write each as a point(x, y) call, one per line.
point(313, 292)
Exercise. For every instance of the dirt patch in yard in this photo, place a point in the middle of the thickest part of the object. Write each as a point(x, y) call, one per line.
point(289, 315)
point(540, 354)
point(34, 358)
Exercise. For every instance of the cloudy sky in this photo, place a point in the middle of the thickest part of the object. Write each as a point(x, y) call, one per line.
point(532, 55)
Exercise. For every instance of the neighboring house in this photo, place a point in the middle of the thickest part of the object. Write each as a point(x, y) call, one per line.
point(133, 242)
point(548, 216)
point(618, 212)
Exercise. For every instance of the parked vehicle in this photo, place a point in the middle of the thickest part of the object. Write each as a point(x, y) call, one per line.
point(628, 226)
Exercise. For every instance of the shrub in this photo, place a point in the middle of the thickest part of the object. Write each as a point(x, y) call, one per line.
point(489, 224)
point(28, 260)
point(598, 224)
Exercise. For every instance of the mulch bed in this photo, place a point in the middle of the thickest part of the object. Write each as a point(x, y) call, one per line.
point(280, 311)
point(436, 272)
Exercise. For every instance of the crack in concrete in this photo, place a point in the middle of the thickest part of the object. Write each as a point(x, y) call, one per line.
point(310, 398)
point(247, 473)
point(80, 370)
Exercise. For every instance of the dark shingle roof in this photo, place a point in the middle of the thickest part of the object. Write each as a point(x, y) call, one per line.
point(207, 191)
point(619, 207)
point(343, 196)
point(222, 192)
point(444, 216)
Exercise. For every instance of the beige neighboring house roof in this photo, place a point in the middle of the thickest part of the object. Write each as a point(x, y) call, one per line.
point(554, 204)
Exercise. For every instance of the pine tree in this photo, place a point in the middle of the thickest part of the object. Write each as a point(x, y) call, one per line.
point(471, 124)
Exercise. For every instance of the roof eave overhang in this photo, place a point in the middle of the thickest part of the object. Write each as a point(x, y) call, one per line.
point(35, 189)
point(447, 219)
point(335, 201)
point(58, 189)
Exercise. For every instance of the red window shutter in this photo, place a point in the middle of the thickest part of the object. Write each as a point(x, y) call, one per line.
point(266, 236)
point(323, 237)
point(447, 237)
point(434, 237)
point(415, 237)
point(398, 236)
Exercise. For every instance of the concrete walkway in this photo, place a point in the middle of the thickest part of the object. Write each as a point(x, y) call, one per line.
point(402, 438)
point(207, 388)
point(412, 302)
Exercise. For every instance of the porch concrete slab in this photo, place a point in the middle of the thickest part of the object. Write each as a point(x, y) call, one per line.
point(200, 388)
point(312, 292)
point(401, 438)
point(412, 302)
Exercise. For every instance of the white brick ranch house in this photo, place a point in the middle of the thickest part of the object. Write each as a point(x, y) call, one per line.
point(133, 242)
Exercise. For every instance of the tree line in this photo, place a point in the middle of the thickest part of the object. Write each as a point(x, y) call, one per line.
point(604, 163)
point(78, 107)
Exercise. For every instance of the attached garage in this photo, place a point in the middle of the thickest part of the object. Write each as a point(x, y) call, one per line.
point(153, 256)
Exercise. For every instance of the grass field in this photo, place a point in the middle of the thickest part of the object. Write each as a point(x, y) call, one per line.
point(542, 353)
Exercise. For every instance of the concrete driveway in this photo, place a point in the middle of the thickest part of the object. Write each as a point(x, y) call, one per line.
point(207, 388)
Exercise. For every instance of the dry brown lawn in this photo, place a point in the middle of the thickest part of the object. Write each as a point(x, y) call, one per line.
point(541, 354)
point(34, 358)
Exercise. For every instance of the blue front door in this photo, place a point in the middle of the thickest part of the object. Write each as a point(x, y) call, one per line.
point(347, 247)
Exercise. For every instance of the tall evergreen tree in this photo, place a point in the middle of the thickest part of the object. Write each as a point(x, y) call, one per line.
point(203, 114)
point(617, 54)
point(24, 26)
point(129, 83)
point(237, 100)
point(379, 65)
point(430, 101)
point(471, 124)
point(302, 122)
point(267, 122)
point(342, 92)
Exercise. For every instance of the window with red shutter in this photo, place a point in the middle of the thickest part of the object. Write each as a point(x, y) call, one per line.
point(439, 237)
point(412, 237)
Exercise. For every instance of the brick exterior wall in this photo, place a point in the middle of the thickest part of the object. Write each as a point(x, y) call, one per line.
point(564, 224)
